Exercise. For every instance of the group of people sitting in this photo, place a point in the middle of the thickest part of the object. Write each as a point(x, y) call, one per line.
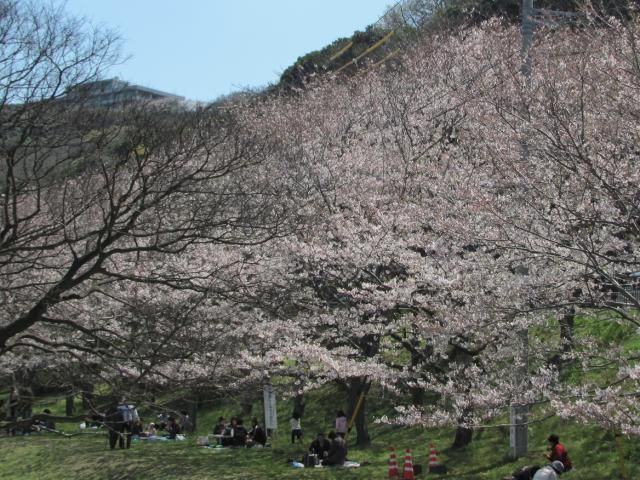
point(559, 460)
point(173, 425)
point(124, 424)
point(331, 451)
point(235, 434)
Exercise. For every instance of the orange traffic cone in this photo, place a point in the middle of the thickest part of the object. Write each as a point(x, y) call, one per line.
point(408, 466)
point(393, 464)
point(433, 456)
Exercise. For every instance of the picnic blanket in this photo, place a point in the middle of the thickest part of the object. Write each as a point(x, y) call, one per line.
point(347, 464)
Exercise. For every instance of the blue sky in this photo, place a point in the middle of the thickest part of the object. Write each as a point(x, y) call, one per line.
point(202, 49)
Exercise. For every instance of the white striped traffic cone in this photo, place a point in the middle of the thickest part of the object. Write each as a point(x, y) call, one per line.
point(393, 464)
point(433, 456)
point(408, 466)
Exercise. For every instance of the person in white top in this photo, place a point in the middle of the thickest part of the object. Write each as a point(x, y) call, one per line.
point(550, 472)
point(296, 428)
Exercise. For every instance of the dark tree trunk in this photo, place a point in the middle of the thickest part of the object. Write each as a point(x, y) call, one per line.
point(246, 402)
point(69, 406)
point(298, 404)
point(26, 402)
point(566, 321)
point(463, 437)
point(359, 387)
point(418, 395)
point(193, 414)
point(566, 329)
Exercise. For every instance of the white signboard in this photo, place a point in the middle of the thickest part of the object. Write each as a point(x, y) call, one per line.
point(270, 412)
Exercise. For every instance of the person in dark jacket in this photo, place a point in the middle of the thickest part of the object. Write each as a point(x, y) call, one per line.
point(239, 434)
point(320, 446)
point(117, 427)
point(137, 428)
point(338, 451)
point(523, 473)
point(257, 435)
point(46, 423)
point(173, 429)
point(219, 427)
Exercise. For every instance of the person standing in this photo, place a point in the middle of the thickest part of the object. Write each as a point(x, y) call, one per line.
point(341, 424)
point(557, 451)
point(296, 428)
point(117, 427)
point(130, 416)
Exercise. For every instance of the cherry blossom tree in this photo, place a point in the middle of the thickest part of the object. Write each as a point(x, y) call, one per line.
point(458, 210)
point(124, 232)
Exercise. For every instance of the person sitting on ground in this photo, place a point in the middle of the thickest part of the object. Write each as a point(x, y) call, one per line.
point(161, 421)
point(137, 428)
point(220, 427)
point(523, 473)
point(230, 433)
point(47, 423)
point(95, 420)
point(44, 424)
point(550, 472)
point(239, 434)
point(152, 431)
point(172, 428)
point(557, 451)
point(320, 446)
point(185, 422)
point(257, 436)
point(338, 451)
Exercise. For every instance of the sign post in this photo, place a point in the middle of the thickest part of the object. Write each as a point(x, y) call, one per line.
point(270, 411)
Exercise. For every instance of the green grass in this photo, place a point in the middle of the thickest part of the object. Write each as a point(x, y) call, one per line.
point(86, 456)
point(595, 452)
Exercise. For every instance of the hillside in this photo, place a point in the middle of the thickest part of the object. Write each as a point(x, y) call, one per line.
point(437, 244)
point(405, 22)
point(596, 453)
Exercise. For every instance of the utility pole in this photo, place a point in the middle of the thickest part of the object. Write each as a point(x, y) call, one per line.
point(519, 414)
point(527, 38)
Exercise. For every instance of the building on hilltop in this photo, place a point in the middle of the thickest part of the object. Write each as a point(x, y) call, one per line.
point(113, 91)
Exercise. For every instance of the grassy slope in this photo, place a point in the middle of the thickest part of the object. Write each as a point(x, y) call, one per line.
point(595, 452)
point(47, 456)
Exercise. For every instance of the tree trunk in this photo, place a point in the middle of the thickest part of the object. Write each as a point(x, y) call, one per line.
point(246, 402)
point(298, 404)
point(359, 387)
point(69, 407)
point(194, 413)
point(417, 357)
point(463, 438)
point(566, 329)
